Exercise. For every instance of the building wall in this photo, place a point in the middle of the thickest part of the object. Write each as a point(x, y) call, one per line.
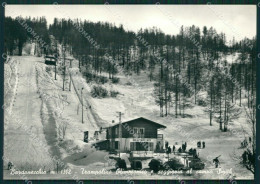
point(150, 129)
point(128, 129)
point(125, 142)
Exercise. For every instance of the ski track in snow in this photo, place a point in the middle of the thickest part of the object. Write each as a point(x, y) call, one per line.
point(20, 148)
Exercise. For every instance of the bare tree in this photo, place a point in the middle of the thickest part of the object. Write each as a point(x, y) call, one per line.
point(62, 128)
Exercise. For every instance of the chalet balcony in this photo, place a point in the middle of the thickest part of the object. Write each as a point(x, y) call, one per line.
point(143, 154)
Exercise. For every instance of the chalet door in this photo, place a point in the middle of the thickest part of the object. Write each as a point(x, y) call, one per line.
point(116, 145)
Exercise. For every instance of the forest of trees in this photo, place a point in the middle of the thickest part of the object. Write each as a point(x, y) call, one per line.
point(182, 66)
point(20, 30)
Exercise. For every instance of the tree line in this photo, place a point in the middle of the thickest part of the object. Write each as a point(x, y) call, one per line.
point(186, 69)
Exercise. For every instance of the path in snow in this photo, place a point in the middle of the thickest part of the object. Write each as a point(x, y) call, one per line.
point(20, 147)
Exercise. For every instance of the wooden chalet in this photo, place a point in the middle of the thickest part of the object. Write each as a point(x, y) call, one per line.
point(138, 134)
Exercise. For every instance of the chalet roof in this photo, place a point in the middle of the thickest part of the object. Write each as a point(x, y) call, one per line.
point(141, 118)
point(100, 141)
point(50, 56)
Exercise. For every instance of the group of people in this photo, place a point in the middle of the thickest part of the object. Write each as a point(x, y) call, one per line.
point(246, 156)
point(194, 153)
point(183, 148)
point(172, 150)
point(10, 165)
point(199, 145)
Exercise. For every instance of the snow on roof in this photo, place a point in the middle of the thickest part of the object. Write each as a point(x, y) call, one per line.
point(100, 141)
point(50, 56)
point(141, 118)
point(69, 58)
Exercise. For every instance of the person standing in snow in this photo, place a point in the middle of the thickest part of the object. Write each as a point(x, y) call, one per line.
point(169, 150)
point(183, 147)
point(195, 153)
point(179, 150)
point(216, 161)
point(191, 151)
point(198, 144)
point(166, 146)
point(173, 149)
point(244, 157)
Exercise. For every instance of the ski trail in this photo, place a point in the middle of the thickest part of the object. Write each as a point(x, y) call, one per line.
point(24, 124)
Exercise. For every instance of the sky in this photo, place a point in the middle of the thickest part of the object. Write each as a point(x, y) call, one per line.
point(237, 21)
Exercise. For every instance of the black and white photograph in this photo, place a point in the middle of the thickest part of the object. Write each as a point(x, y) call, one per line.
point(129, 92)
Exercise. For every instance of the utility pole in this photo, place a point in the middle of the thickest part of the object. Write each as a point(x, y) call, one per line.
point(70, 74)
point(120, 131)
point(64, 72)
point(56, 59)
point(79, 61)
point(55, 68)
point(82, 104)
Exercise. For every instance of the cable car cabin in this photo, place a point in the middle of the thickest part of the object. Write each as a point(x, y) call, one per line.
point(50, 60)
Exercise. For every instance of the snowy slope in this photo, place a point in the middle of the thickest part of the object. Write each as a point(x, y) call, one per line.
point(23, 136)
point(136, 100)
point(59, 108)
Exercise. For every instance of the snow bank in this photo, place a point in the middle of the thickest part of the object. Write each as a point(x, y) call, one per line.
point(87, 156)
point(10, 84)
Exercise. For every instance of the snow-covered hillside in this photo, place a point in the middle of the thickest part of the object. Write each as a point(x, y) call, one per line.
point(49, 110)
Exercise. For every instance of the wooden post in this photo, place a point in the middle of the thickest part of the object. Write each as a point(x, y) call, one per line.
point(56, 59)
point(79, 62)
point(70, 77)
point(120, 132)
point(57, 167)
point(82, 104)
point(70, 83)
point(55, 69)
point(64, 66)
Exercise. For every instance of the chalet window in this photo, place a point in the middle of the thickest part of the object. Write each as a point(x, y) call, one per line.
point(132, 146)
point(116, 131)
point(110, 132)
point(150, 146)
point(138, 132)
point(135, 130)
point(141, 132)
